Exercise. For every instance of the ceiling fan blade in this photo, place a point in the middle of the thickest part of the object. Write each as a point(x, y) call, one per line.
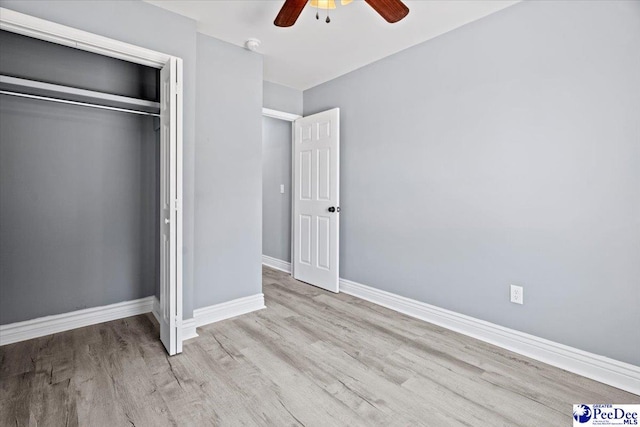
point(289, 13)
point(391, 10)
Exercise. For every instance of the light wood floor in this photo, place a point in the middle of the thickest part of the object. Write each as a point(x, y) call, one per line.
point(311, 358)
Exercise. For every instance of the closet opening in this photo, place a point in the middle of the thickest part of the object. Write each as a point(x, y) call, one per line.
point(90, 174)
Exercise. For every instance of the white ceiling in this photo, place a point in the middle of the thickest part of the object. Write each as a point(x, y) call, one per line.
point(312, 51)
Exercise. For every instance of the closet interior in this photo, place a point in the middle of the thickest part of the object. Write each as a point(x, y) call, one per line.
point(79, 179)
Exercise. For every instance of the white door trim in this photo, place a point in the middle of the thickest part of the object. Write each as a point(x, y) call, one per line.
point(42, 29)
point(281, 115)
point(38, 28)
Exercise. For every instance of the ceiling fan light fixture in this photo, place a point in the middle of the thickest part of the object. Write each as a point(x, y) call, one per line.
point(323, 4)
point(391, 10)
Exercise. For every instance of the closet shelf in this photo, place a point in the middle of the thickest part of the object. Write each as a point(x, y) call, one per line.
point(39, 90)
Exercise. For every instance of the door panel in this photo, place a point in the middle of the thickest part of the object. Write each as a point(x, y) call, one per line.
point(324, 174)
point(316, 190)
point(305, 239)
point(170, 318)
point(323, 231)
point(324, 130)
point(305, 175)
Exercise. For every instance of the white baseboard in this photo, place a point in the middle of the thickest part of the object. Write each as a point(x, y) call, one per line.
point(609, 371)
point(188, 325)
point(276, 263)
point(42, 326)
point(21, 331)
point(189, 329)
point(215, 313)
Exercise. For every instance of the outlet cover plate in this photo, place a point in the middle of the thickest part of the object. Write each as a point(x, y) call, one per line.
point(517, 294)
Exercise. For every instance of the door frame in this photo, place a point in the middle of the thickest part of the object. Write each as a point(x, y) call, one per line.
point(288, 117)
point(42, 29)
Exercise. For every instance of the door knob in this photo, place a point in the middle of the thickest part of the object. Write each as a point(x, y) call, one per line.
point(334, 209)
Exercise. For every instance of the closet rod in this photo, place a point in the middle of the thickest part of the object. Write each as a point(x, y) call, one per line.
point(60, 91)
point(82, 104)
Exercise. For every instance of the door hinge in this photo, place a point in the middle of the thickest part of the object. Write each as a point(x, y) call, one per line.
point(176, 204)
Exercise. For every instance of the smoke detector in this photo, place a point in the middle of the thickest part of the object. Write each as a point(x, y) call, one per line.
point(252, 44)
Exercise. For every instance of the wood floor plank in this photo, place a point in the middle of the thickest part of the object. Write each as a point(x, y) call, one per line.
point(14, 398)
point(133, 385)
point(464, 394)
point(17, 358)
point(312, 358)
point(94, 381)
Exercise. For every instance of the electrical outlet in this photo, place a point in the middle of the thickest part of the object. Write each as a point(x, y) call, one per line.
point(517, 294)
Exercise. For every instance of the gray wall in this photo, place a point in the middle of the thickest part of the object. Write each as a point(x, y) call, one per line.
point(506, 151)
point(228, 172)
point(77, 208)
point(148, 26)
point(282, 98)
point(276, 170)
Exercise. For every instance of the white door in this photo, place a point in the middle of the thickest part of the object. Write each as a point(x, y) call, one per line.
point(170, 196)
point(316, 199)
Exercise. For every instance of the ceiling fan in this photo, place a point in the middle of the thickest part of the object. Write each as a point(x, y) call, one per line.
point(391, 10)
